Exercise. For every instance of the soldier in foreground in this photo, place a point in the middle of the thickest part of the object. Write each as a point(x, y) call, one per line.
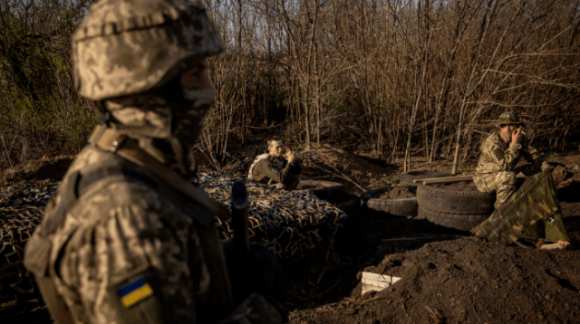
point(500, 153)
point(276, 167)
point(127, 239)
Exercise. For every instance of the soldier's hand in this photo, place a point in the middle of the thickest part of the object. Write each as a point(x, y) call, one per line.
point(517, 135)
point(290, 157)
point(547, 167)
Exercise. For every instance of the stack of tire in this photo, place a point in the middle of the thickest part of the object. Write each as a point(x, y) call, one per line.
point(396, 207)
point(460, 210)
point(407, 207)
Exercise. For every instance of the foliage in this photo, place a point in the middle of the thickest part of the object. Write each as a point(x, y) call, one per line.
point(395, 77)
point(40, 112)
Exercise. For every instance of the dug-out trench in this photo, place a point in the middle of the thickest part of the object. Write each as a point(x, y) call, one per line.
point(448, 276)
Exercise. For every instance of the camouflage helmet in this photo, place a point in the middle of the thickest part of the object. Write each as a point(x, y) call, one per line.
point(125, 47)
point(509, 118)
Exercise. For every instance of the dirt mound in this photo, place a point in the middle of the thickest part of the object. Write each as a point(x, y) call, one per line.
point(397, 193)
point(356, 172)
point(469, 280)
point(450, 278)
point(348, 162)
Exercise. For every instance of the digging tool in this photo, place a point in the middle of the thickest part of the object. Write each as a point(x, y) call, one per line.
point(239, 268)
point(240, 220)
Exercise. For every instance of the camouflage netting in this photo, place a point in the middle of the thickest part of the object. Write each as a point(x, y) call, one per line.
point(17, 293)
point(531, 211)
point(21, 210)
point(290, 224)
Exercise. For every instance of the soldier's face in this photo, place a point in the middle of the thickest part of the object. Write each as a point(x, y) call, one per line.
point(508, 130)
point(275, 149)
point(197, 76)
point(192, 103)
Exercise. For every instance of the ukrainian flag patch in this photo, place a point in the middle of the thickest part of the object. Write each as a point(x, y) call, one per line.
point(134, 292)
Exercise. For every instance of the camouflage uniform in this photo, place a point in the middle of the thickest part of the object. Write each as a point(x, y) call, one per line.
point(277, 170)
point(495, 170)
point(127, 239)
point(533, 211)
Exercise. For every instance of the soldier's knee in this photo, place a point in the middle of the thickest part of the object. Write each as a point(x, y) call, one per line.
point(508, 178)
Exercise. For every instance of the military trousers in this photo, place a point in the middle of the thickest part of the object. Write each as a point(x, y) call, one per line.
point(502, 183)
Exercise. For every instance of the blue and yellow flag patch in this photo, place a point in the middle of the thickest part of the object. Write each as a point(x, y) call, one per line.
point(134, 292)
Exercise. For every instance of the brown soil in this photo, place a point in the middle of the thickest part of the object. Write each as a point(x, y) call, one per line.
point(358, 173)
point(397, 193)
point(469, 280)
point(457, 186)
point(36, 170)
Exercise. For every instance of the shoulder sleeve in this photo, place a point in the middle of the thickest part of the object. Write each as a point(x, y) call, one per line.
point(139, 261)
point(499, 158)
point(264, 167)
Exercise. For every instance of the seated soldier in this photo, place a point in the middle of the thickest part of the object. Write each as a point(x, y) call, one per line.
point(500, 153)
point(273, 168)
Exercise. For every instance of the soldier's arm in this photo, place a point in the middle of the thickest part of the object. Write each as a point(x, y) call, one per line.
point(505, 159)
point(288, 169)
point(143, 262)
point(532, 155)
point(138, 262)
point(265, 167)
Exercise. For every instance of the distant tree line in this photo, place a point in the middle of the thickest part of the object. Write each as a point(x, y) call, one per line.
point(40, 112)
point(398, 78)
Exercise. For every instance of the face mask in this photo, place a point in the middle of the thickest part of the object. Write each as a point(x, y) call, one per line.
point(189, 113)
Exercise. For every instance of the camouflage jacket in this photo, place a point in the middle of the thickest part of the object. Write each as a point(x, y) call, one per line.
point(497, 155)
point(275, 169)
point(128, 251)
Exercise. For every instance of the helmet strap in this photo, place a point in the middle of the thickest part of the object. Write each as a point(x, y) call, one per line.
point(178, 152)
point(102, 112)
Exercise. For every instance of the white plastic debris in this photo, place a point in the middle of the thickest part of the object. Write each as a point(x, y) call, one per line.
point(376, 281)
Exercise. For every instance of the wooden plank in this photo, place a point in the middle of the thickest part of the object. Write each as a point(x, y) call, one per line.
point(444, 179)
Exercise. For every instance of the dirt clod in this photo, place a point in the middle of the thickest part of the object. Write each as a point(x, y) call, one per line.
point(396, 193)
point(559, 174)
point(457, 186)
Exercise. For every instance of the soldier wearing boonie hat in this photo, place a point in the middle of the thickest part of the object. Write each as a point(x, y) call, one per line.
point(500, 153)
point(127, 239)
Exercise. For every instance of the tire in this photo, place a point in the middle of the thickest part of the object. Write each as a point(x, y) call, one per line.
point(397, 207)
point(325, 190)
point(454, 202)
point(460, 222)
point(365, 197)
point(406, 179)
